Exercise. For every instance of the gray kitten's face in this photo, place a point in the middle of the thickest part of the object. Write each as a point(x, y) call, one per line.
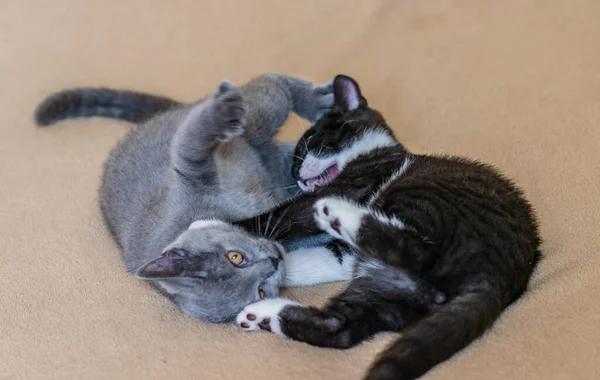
point(213, 270)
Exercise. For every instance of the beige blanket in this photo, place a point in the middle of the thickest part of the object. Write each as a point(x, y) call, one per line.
point(513, 82)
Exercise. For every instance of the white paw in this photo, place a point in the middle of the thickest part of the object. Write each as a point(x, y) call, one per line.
point(339, 218)
point(263, 315)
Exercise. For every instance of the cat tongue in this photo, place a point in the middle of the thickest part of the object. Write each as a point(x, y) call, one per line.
point(333, 171)
point(323, 179)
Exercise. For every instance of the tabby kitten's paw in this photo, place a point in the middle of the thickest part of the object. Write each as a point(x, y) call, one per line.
point(229, 110)
point(339, 218)
point(263, 315)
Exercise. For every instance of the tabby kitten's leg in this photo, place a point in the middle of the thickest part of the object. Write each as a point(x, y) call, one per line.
point(366, 307)
point(377, 236)
point(383, 296)
point(208, 124)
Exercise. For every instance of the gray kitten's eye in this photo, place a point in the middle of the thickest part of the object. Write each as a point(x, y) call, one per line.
point(236, 259)
point(261, 293)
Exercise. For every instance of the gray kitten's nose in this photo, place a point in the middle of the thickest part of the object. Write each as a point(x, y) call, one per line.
point(275, 262)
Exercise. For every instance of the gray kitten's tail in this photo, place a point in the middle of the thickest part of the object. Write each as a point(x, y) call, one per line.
point(125, 105)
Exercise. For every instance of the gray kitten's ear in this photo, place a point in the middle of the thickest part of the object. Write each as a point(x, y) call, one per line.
point(347, 94)
point(172, 263)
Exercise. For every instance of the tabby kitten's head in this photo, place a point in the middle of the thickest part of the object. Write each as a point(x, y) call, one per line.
point(340, 136)
point(213, 270)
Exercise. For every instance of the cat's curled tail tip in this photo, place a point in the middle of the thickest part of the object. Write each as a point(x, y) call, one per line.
point(53, 108)
point(45, 115)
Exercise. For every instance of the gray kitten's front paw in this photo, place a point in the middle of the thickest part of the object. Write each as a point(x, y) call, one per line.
point(317, 102)
point(229, 110)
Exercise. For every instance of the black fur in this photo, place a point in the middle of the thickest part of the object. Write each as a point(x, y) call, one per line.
point(469, 247)
point(125, 105)
point(339, 248)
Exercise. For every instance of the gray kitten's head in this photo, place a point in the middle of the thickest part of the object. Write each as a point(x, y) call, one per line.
point(213, 270)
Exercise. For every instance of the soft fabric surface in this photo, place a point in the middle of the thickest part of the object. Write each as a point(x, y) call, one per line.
point(515, 83)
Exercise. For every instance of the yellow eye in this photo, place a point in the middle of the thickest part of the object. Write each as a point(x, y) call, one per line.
point(236, 258)
point(261, 293)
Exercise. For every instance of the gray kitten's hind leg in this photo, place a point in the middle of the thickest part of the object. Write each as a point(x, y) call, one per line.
point(208, 124)
point(286, 151)
point(271, 98)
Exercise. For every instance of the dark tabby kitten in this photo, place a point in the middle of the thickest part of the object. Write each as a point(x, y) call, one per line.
point(446, 243)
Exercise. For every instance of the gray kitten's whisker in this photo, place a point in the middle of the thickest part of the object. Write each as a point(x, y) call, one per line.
point(268, 223)
point(287, 187)
point(274, 231)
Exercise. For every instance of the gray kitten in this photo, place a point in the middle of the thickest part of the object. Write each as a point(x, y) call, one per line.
point(166, 184)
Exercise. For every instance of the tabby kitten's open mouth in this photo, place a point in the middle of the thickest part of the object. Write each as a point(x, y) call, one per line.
point(323, 179)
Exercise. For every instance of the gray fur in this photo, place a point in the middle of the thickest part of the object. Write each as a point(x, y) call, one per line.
point(197, 162)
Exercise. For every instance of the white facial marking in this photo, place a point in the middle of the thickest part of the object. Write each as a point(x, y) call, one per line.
point(365, 144)
point(311, 266)
point(206, 223)
point(262, 310)
point(313, 166)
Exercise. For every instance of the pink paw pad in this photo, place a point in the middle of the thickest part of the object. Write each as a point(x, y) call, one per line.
point(335, 224)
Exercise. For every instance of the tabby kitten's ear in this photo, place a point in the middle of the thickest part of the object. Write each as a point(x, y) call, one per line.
point(172, 263)
point(347, 94)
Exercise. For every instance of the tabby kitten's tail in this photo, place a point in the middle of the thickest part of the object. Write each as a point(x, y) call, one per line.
point(125, 105)
point(440, 335)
